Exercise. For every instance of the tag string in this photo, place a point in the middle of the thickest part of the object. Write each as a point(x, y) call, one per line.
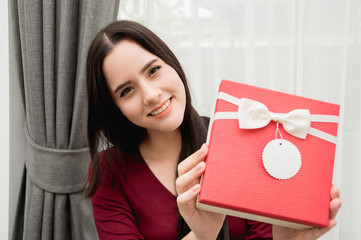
point(278, 132)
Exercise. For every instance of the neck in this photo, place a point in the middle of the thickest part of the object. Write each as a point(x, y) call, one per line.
point(162, 145)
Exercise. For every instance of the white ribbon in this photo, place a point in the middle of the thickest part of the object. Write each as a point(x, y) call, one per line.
point(253, 114)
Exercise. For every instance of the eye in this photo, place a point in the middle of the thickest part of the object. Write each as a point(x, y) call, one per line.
point(153, 70)
point(125, 91)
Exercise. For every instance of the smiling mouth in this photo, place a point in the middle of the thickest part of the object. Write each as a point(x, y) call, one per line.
point(161, 109)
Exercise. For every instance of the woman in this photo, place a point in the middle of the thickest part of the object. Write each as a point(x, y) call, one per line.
point(145, 180)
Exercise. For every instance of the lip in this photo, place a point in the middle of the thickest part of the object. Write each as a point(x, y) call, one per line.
point(165, 111)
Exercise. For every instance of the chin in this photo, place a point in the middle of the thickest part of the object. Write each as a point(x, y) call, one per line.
point(172, 125)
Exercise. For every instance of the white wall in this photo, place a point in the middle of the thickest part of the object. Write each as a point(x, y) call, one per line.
point(4, 120)
point(14, 137)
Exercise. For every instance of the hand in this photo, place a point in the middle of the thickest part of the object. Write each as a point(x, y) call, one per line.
point(204, 224)
point(313, 233)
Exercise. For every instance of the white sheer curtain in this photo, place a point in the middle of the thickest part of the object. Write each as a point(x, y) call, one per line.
point(306, 47)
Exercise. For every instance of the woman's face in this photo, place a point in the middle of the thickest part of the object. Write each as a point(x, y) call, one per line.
point(148, 91)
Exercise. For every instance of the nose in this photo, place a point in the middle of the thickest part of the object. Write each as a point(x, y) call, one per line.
point(150, 92)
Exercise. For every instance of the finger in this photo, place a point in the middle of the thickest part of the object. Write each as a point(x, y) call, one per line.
point(191, 161)
point(335, 192)
point(336, 202)
point(335, 206)
point(186, 201)
point(190, 178)
point(332, 223)
point(315, 233)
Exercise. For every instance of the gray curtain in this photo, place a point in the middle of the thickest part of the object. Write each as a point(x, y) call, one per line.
point(51, 40)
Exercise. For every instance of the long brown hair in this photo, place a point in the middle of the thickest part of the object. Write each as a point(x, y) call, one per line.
point(108, 127)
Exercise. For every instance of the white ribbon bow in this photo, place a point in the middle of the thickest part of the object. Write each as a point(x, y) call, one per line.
point(253, 114)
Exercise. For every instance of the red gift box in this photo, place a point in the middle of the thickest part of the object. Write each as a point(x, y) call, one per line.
point(271, 156)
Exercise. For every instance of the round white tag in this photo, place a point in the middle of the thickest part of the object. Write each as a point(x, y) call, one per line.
point(281, 159)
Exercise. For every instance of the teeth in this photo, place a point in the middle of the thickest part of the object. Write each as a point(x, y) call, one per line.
point(161, 109)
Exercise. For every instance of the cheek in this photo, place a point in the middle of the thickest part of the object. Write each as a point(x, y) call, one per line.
point(182, 92)
point(183, 96)
point(128, 112)
point(178, 84)
point(128, 109)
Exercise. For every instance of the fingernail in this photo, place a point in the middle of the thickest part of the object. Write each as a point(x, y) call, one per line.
point(202, 149)
point(196, 188)
point(199, 167)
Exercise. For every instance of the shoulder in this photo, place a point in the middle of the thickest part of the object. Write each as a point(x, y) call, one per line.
point(114, 155)
point(115, 164)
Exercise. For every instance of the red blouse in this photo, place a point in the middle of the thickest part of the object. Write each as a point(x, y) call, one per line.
point(137, 206)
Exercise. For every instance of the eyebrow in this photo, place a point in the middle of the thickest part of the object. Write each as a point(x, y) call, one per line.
point(146, 66)
point(121, 86)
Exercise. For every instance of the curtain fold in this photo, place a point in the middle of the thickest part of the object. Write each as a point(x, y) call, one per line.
point(52, 38)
